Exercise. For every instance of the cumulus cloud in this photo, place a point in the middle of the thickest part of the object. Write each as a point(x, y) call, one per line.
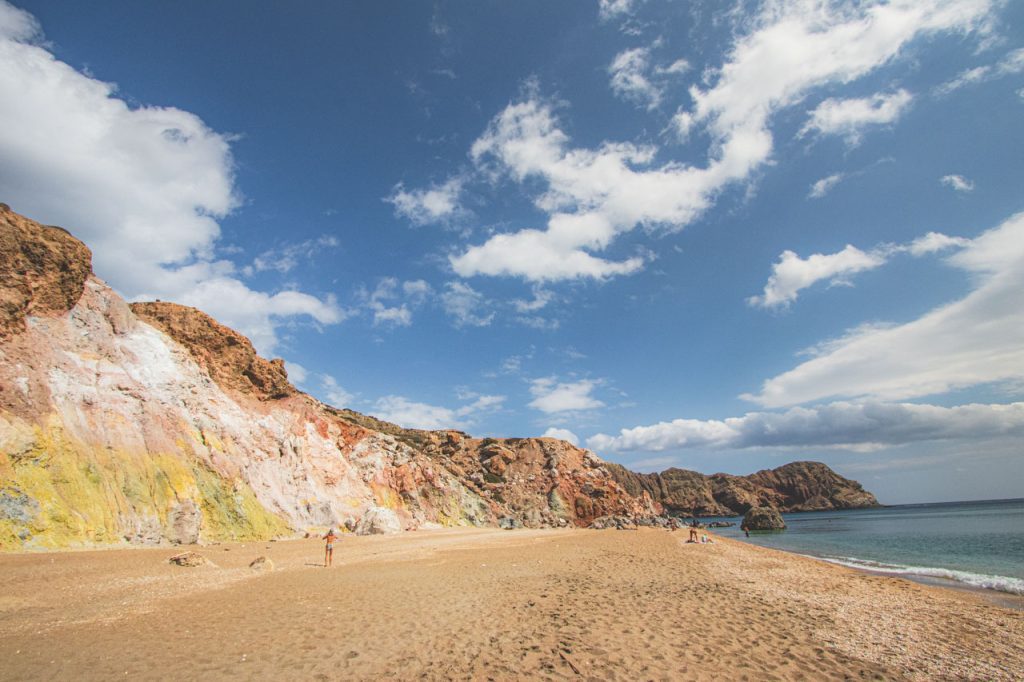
point(562, 434)
point(439, 204)
point(296, 372)
point(465, 305)
point(978, 339)
point(392, 301)
point(636, 79)
point(849, 117)
point(551, 396)
point(629, 79)
point(935, 241)
point(615, 9)
point(335, 394)
point(143, 186)
point(957, 182)
point(416, 415)
point(825, 185)
point(592, 196)
point(1011, 63)
point(850, 425)
point(791, 273)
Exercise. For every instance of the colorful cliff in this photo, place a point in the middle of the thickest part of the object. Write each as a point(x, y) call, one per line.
point(153, 423)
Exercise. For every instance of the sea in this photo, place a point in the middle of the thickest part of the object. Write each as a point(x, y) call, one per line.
point(971, 544)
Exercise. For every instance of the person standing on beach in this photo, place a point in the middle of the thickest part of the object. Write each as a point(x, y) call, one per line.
point(329, 547)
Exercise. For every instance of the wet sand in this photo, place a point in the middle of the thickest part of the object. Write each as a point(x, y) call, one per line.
point(490, 604)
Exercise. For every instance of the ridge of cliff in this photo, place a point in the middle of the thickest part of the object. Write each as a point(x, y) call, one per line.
point(44, 270)
point(797, 486)
point(228, 356)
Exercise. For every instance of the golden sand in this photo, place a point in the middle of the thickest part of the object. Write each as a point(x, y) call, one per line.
point(490, 604)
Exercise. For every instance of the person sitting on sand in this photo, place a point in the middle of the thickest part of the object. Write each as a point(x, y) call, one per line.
point(704, 539)
point(329, 547)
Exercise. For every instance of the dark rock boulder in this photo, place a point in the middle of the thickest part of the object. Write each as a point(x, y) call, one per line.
point(509, 523)
point(763, 518)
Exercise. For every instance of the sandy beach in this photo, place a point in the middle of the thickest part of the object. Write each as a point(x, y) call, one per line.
point(490, 604)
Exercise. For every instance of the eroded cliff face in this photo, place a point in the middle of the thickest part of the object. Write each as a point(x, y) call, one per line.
point(798, 486)
point(154, 423)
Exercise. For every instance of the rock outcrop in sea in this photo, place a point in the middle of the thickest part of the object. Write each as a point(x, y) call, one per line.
point(763, 518)
point(153, 423)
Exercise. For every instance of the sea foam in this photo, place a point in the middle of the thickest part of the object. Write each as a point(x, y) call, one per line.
point(989, 582)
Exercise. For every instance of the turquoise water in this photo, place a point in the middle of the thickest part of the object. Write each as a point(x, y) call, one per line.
point(980, 544)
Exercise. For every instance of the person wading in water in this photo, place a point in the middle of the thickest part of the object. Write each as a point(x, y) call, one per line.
point(329, 547)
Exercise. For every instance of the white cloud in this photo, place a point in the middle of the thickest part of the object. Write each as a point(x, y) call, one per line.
point(415, 415)
point(1011, 63)
point(791, 274)
point(538, 322)
point(562, 434)
point(296, 372)
point(142, 186)
point(849, 117)
point(629, 80)
point(957, 182)
point(286, 258)
point(592, 196)
point(482, 403)
point(825, 185)
point(439, 204)
point(935, 241)
point(677, 67)
point(978, 339)
point(392, 302)
point(551, 396)
point(254, 313)
point(615, 9)
point(465, 305)
point(849, 425)
point(335, 394)
point(541, 298)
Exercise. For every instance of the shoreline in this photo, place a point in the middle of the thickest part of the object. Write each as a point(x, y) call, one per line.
point(473, 603)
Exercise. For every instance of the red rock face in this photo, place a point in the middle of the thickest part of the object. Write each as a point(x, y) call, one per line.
point(44, 270)
point(228, 356)
point(537, 481)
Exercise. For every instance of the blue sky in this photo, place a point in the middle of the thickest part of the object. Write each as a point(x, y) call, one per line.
point(720, 236)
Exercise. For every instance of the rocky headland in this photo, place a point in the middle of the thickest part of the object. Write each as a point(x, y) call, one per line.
point(794, 487)
point(151, 422)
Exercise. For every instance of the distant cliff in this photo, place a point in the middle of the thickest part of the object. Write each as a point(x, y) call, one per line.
point(798, 486)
